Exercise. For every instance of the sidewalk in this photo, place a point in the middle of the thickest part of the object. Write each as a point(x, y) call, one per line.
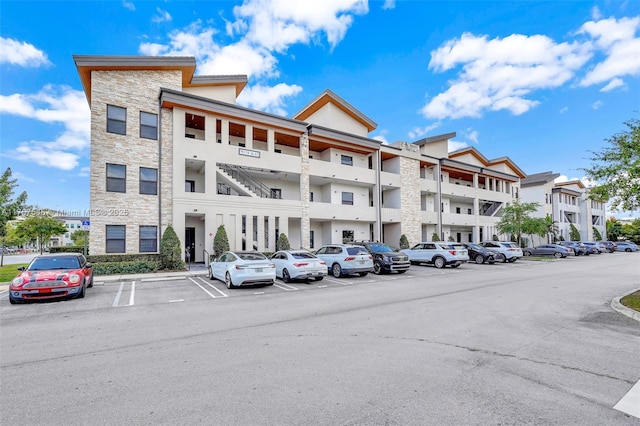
point(193, 270)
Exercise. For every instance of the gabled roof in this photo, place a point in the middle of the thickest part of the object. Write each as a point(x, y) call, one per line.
point(87, 63)
point(240, 81)
point(329, 97)
point(577, 182)
point(473, 151)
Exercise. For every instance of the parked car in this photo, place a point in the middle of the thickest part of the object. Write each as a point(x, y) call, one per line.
point(549, 250)
point(508, 249)
point(346, 259)
point(242, 268)
point(626, 246)
point(480, 254)
point(52, 276)
point(385, 258)
point(579, 248)
point(438, 253)
point(610, 246)
point(298, 265)
point(594, 248)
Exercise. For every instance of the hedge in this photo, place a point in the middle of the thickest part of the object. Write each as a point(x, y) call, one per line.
point(67, 249)
point(132, 267)
point(139, 257)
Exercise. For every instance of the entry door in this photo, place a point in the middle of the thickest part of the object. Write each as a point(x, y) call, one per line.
point(190, 243)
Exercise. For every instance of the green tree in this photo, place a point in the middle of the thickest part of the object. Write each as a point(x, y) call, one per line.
point(614, 229)
point(78, 237)
point(10, 207)
point(12, 238)
point(220, 241)
point(170, 251)
point(404, 242)
point(534, 226)
point(574, 234)
point(40, 227)
point(616, 169)
point(283, 242)
point(513, 218)
point(551, 228)
point(596, 234)
point(435, 237)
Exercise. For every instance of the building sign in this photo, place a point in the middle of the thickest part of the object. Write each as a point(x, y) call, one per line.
point(249, 152)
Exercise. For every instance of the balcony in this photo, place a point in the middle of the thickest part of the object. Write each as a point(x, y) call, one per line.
point(330, 211)
point(339, 172)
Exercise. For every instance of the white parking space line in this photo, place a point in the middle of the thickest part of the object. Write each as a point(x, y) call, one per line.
point(176, 300)
point(116, 301)
point(630, 403)
point(341, 282)
point(286, 287)
point(213, 296)
point(323, 286)
point(213, 287)
point(259, 292)
point(133, 292)
point(162, 279)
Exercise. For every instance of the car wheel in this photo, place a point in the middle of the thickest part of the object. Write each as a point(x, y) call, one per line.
point(210, 273)
point(402, 271)
point(439, 262)
point(558, 255)
point(377, 268)
point(336, 270)
point(526, 253)
point(501, 258)
point(227, 281)
point(479, 259)
point(455, 265)
point(90, 281)
point(513, 259)
point(318, 278)
point(13, 302)
point(628, 250)
point(81, 294)
point(363, 274)
point(285, 276)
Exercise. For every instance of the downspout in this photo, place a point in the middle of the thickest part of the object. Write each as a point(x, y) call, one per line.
point(159, 168)
point(439, 200)
point(378, 195)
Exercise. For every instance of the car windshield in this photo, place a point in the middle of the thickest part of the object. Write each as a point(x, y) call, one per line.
point(356, 250)
point(48, 263)
point(510, 245)
point(380, 248)
point(474, 246)
point(302, 255)
point(251, 256)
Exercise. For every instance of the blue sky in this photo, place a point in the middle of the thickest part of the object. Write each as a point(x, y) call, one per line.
point(540, 82)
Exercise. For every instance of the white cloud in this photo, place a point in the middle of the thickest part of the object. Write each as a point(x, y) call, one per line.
point(498, 74)
point(128, 5)
point(84, 171)
point(597, 105)
point(563, 110)
point(613, 84)
point(595, 13)
point(389, 4)
point(270, 99)
point(23, 54)
point(53, 105)
point(472, 135)
point(162, 16)
point(418, 132)
point(617, 40)
point(456, 145)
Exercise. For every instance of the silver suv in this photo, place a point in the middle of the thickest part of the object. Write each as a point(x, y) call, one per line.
point(344, 259)
point(509, 250)
point(438, 253)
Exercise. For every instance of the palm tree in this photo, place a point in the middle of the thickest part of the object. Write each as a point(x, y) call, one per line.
point(552, 228)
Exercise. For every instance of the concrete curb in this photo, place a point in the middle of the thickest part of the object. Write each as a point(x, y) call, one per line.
point(150, 276)
point(619, 307)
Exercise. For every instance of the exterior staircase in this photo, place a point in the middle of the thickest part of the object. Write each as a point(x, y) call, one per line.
point(238, 179)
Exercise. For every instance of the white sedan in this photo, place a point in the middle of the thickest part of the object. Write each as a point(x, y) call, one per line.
point(242, 268)
point(298, 265)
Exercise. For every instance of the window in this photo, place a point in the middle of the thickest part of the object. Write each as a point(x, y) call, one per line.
point(347, 236)
point(347, 198)
point(194, 126)
point(458, 210)
point(148, 181)
point(148, 125)
point(116, 178)
point(148, 239)
point(116, 238)
point(72, 226)
point(276, 193)
point(310, 196)
point(311, 239)
point(116, 120)
point(468, 211)
point(190, 186)
point(347, 160)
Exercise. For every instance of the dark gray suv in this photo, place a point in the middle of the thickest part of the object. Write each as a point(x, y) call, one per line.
point(385, 259)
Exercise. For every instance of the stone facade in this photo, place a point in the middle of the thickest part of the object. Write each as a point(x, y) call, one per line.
point(411, 215)
point(136, 91)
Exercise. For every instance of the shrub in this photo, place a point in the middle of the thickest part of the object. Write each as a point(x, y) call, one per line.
point(135, 267)
point(435, 237)
point(451, 239)
point(170, 256)
point(220, 242)
point(596, 234)
point(283, 242)
point(140, 257)
point(495, 238)
point(574, 234)
point(404, 242)
point(67, 249)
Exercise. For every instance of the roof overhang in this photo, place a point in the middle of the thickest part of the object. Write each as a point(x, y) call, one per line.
point(329, 97)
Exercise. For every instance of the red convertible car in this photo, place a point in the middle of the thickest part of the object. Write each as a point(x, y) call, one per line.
point(52, 276)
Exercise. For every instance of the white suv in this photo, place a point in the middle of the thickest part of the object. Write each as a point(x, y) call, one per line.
point(438, 253)
point(343, 259)
point(509, 250)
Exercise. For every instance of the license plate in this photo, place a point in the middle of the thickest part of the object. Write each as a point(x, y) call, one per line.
point(361, 262)
point(258, 269)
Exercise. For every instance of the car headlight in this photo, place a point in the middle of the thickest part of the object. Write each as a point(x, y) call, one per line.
point(74, 278)
point(17, 281)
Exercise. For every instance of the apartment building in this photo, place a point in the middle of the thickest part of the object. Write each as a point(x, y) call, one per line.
point(567, 203)
point(172, 147)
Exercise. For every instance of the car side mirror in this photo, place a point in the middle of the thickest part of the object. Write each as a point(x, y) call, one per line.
point(88, 265)
point(21, 268)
